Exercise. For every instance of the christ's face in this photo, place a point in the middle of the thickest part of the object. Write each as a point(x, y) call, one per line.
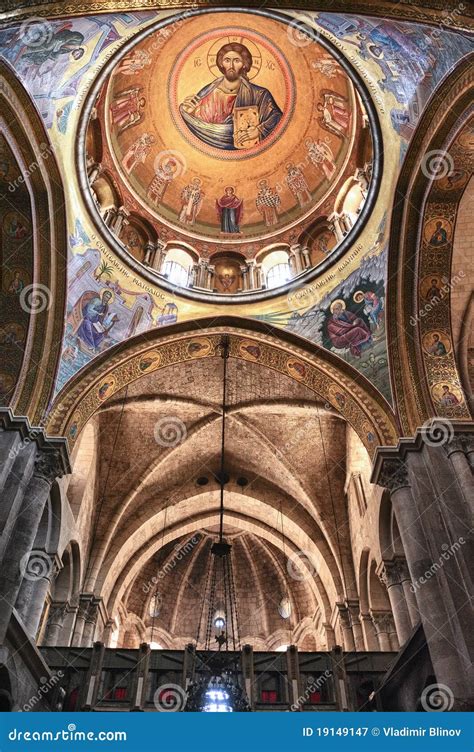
point(232, 65)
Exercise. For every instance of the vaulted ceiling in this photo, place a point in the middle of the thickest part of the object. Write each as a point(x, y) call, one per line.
point(157, 452)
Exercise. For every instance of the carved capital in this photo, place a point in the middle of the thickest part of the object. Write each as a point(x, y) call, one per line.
point(402, 567)
point(460, 442)
point(48, 466)
point(389, 573)
point(383, 622)
point(394, 475)
point(57, 612)
point(344, 615)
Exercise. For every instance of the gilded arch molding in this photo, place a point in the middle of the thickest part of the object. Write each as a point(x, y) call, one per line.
point(25, 133)
point(331, 380)
point(420, 202)
point(436, 12)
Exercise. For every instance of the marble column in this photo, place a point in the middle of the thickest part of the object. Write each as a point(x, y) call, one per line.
point(408, 590)
point(18, 551)
point(354, 611)
point(252, 281)
point(80, 622)
point(382, 623)
point(445, 635)
point(33, 591)
point(110, 216)
point(390, 578)
point(345, 621)
point(56, 616)
point(244, 272)
point(90, 623)
point(458, 450)
point(93, 172)
point(248, 673)
point(335, 225)
point(295, 257)
point(108, 631)
point(119, 221)
point(306, 257)
point(159, 256)
point(328, 635)
point(150, 250)
point(370, 636)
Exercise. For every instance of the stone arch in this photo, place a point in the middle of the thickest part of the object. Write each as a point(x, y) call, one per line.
point(25, 134)
point(462, 295)
point(307, 363)
point(413, 259)
point(120, 569)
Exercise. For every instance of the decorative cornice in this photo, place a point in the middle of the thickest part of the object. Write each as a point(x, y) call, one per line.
point(415, 444)
point(37, 435)
point(437, 12)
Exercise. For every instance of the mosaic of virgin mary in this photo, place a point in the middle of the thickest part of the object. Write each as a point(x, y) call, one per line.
point(231, 112)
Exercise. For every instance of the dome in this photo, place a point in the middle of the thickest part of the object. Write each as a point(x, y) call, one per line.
point(226, 137)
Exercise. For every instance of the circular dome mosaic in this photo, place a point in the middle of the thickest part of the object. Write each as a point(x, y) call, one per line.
point(234, 130)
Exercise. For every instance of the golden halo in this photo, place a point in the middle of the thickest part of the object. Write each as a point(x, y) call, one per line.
point(335, 302)
point(107, 289)
point(229, 39)
point(358, 296)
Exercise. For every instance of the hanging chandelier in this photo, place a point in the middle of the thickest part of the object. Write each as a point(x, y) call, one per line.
point(217, 688)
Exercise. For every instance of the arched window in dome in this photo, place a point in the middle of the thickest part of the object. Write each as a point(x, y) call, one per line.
point(177, 266)
point(276, 269)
